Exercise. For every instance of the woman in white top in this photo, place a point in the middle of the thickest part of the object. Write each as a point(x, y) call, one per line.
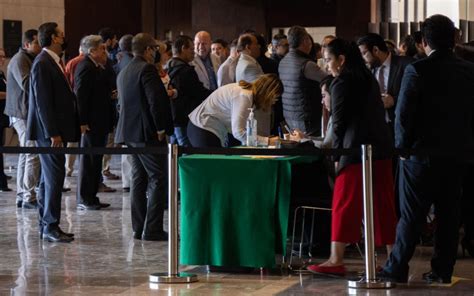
point(226, 110)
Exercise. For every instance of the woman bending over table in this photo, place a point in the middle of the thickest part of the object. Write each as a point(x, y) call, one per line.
point(226, 111)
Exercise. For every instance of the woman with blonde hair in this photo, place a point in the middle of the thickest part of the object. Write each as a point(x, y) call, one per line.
point(226, 110)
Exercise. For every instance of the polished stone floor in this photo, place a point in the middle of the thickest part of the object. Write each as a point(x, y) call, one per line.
point(104, 259)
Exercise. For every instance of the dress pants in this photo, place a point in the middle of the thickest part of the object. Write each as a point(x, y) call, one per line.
point(50, 188)
point(126, 170)
point(148, 191)
point(90, 169)
point(28, 171)
point(467, 204)
point(70, 159)
point(423, 183)
point(107, 158)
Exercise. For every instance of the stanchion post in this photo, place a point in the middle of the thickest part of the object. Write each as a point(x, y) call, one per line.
point(173, 275)
point(370, 280)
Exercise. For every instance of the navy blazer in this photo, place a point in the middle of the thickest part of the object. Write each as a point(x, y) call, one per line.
point(397, 68)
point(52, 108)
point(436, 104)
point(144, 104)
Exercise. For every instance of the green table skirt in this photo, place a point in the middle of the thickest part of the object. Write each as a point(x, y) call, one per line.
point(234, 210)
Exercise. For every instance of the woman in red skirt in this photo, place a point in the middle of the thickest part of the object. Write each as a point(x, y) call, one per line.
point(358, 118)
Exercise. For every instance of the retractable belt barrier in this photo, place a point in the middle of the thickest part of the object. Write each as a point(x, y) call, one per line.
point(173, 151)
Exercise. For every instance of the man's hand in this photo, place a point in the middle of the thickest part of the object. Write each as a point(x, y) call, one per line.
point(56, 141)
point(114, 94)
point(161, 136)
point(388, 101)
point(297, 135)
point(85, 128)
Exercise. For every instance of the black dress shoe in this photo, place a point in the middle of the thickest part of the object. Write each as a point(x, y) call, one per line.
point(19, 203)
point(65, 233)
point(104, 205)
point(55, 236)
point(5, 189)
point(126, 189)
point(387, 277)
point(65, 189)
point(433, 277)
point(101, 204)
point(137, 235)
point(88, 207)
point(30, 205)
point(160, 237)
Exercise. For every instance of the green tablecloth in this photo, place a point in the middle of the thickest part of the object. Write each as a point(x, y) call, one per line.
point(234, 209)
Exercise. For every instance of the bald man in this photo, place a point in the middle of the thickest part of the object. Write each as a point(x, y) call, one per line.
point(205, 63)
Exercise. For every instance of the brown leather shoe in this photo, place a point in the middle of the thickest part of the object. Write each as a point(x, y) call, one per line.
point(105, 188)
point(109, 176)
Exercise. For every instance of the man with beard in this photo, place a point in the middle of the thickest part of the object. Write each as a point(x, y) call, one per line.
point(18, 83)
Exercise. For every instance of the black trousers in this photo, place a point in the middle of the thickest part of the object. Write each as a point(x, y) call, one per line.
point(421, 184)
point(467, 204)
point(90, 169)
point(201, 138)
point(50, 188)
point(148, 191)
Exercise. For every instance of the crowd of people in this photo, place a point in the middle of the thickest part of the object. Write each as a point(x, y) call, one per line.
point(142, 92)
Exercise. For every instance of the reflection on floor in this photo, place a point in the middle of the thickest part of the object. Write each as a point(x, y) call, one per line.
point(105, 260)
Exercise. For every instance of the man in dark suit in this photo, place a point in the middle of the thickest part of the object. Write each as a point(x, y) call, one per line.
point(95, 117)
point(144, 121)
point(52, 121)
point(424, 120)
point(387, 68)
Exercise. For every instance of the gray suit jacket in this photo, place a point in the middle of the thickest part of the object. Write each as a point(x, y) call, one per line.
point(201, 69)
point(247, 69)
point(18, 77)
point(226, 73)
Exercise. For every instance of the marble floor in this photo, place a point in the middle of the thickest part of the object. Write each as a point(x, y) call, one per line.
point(104, 259)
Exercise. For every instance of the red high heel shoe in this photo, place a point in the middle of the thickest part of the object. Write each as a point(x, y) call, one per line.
point(339, 270)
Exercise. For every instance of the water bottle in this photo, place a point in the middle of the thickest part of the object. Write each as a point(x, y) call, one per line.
point(251, 129)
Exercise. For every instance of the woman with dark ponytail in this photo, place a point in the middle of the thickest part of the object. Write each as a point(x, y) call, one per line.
point(358, 118)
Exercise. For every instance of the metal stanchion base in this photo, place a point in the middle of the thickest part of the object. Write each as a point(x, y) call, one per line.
point(180, 278)
point(373, 284)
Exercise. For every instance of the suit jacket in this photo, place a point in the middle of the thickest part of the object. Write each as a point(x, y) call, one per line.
point(93, 96)
point(125, 58)
point(358, 117)
point(144, 104)
point(436, 104)
point(247, 69)
point(52, 108)
point(226, 72)
point(201, 69)
point(397, 68)
point(18, 83)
